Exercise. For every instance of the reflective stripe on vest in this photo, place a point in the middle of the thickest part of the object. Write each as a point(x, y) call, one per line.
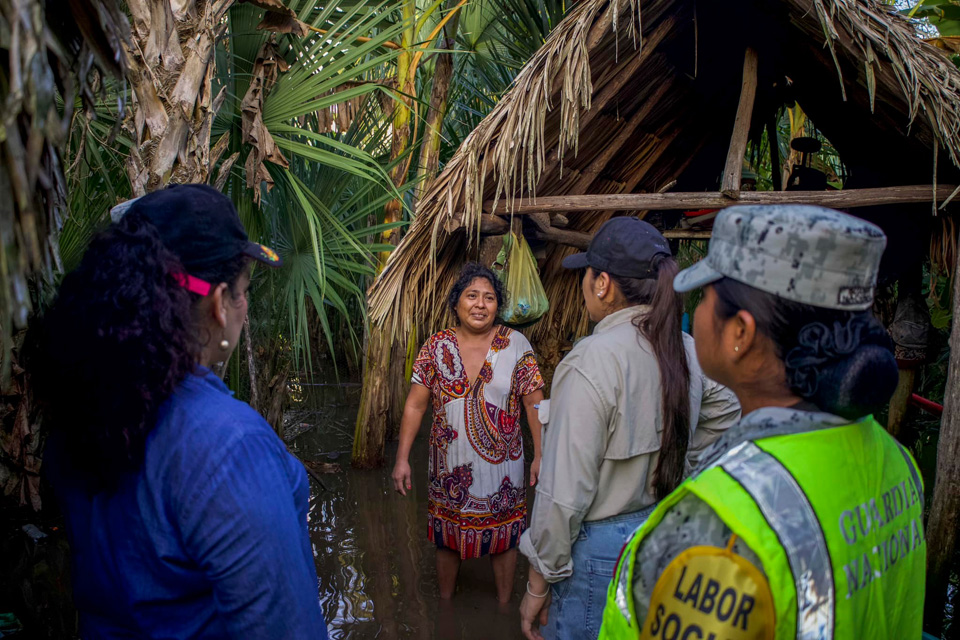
point(789, 513)
point(623, 588)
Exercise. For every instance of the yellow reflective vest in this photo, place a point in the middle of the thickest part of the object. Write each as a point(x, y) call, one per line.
point(835, 517)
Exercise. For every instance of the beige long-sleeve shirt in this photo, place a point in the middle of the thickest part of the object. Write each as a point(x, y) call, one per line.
point(602, 442)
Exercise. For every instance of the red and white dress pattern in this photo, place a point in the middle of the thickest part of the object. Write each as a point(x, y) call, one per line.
point(477, 498)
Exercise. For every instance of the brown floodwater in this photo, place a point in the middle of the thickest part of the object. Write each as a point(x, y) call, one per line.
point(376, 567)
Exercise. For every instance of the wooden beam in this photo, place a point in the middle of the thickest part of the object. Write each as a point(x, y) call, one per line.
point(941, 529)
point(846, 199)
point(581, 240)
point(730, 185)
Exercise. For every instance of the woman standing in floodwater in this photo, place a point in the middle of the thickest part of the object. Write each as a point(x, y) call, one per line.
point(186, 515)
point(478, 374)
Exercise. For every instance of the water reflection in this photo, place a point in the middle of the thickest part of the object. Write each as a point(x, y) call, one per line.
point(376, 566)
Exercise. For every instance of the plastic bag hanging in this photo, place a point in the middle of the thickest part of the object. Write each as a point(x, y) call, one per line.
point(526, 298)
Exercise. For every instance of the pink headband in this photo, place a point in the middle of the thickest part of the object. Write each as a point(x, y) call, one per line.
point(194, 285)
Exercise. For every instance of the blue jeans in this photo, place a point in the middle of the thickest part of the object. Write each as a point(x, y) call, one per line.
point(576, 610)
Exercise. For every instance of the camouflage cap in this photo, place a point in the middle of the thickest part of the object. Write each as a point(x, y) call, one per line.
point(807, 254)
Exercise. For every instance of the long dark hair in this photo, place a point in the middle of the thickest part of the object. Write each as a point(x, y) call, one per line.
point(113, 346)
point(841, 361)
point(470, 272)
point(661, 327)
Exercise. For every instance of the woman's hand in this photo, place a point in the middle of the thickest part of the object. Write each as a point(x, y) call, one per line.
point(533, 614)
point(401, 477)
point(413, 410)
point(535, 470)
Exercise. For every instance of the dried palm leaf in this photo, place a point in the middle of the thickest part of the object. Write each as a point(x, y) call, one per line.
point(43, 54)
point(268, 67)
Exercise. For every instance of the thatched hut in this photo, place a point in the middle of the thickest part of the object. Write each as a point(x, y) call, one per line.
point(645, 107)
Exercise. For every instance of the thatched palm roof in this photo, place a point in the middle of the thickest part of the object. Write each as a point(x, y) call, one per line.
point(600, 109)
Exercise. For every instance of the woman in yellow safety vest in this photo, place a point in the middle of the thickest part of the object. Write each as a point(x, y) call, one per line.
point(805, 519)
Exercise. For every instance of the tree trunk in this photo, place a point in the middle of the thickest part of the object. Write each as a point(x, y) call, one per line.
point(173, 104)
point(49, 50)
point(402, 125)
point(272, 384)
point(251, 367)
point(377, 400)
point(439, 102)
point(945, 509)
point(21, 439)
point(371, 428)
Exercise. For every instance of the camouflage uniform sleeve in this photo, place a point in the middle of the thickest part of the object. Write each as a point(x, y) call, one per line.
point(689, 523)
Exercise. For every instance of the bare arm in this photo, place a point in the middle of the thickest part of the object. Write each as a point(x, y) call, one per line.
point(416, 406)
point(536, 430)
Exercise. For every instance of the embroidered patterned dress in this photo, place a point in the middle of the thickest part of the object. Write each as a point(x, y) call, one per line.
point(477, 498)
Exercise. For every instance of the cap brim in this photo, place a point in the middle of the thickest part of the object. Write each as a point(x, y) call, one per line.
point(263, 253)
point(576, 261)
point(695, 277)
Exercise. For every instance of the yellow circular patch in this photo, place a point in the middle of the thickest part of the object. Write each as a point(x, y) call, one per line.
point(709, 593)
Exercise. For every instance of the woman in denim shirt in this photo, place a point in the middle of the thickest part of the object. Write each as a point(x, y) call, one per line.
point(187, 517)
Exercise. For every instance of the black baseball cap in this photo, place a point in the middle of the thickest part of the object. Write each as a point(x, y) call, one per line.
point(622, 247)
point(198, 224)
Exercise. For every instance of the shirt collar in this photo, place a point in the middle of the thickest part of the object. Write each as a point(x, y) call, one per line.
point(768, 417)
point(212, 379)
point(621, 317)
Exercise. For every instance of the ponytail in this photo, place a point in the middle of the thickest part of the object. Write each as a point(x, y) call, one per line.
point(662, 329)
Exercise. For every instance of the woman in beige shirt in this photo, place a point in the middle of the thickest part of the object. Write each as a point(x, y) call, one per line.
point(629, 406)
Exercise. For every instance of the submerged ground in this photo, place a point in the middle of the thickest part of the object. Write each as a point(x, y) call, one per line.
point(376, 566)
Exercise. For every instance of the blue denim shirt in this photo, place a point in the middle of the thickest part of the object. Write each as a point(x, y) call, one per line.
point(207, 540)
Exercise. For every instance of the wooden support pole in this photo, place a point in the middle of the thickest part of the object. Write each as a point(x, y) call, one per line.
point(900, 401)
point(730, 185)
point(846, 199)
point(941, 530)
point(773, 139)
